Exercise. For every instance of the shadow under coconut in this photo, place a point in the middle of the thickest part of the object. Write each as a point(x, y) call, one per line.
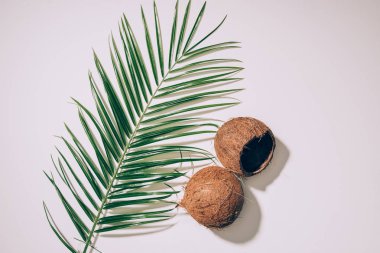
point(274, 169)
point(247, 224)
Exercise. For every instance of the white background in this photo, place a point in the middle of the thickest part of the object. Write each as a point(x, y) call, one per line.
point(312, 74)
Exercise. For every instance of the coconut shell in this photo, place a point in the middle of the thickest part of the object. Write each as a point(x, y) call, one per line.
point(213, 197)
point(244, 145)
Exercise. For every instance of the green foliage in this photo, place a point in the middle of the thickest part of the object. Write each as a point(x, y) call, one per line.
point(133, 135)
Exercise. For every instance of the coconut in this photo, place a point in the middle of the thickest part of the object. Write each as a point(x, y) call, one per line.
point(244, 145)
point(213, 197)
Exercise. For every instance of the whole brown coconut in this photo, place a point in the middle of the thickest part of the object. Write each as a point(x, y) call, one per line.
point(244, 145)
point(213, 197)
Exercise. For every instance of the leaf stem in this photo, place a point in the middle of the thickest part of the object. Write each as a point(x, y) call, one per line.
point(126, 150)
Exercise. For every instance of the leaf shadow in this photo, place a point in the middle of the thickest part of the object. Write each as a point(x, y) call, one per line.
point(202, 88)
point(195, 114)
point(177, 77)
point(152, 230)
point(207, 53)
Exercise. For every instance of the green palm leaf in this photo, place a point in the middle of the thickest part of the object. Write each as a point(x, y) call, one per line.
point(133, 140)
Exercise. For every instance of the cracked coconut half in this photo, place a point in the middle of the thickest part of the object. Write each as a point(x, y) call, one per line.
point(244, 145)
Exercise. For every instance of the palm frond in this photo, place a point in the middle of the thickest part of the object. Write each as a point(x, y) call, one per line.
point(133, 140)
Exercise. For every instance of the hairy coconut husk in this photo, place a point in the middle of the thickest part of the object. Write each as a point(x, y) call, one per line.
point(244, 145)
point(213, 197)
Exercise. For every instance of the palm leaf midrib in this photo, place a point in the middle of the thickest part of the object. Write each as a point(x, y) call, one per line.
point(121, 125)
point(125, 153)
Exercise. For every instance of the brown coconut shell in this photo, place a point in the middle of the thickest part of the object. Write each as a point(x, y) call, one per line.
point(213, 197)
point(244, 145)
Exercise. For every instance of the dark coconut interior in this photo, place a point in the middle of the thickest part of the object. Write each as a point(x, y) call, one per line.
point(256, 152)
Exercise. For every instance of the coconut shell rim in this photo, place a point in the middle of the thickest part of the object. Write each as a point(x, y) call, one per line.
point(267, 161)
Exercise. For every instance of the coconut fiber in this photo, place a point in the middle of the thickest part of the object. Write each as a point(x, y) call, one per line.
point(213, 197)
